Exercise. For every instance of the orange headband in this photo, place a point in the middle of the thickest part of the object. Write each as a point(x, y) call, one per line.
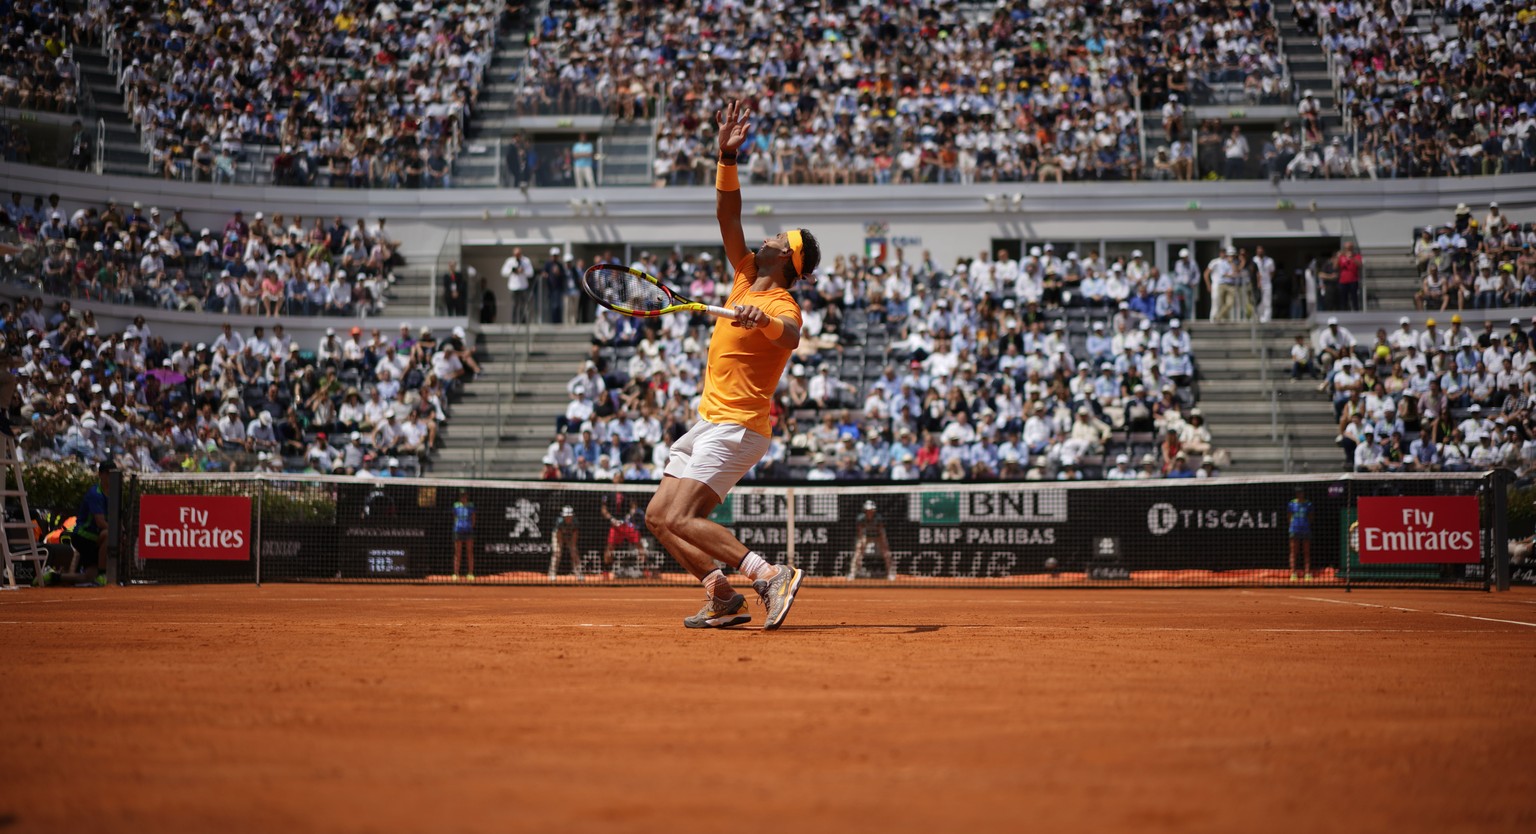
point(797, 252)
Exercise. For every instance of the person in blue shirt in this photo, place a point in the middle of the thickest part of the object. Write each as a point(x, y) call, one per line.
point(464, 535)
point(1300, 510)
point(1180, 468)
point(582, 155)
point(88, 538)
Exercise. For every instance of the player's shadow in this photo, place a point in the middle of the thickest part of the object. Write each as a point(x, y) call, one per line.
point(894, 629)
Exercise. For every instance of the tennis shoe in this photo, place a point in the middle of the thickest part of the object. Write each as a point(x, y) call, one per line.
point(778, 594)
point(720, 613)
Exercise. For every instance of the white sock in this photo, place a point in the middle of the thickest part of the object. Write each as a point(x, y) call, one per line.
point(755, 567)
point(718, 586)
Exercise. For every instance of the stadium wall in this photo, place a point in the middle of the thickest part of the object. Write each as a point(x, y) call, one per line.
point(949, 220)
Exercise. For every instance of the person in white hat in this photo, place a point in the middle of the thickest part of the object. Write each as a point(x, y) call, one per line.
point(1222, 280)
point(1122, 470)
point(1333, 341)
point(869, 527)
point(518, 272)
point(261, 434)
point(565, 544)
point(1186, 281)
point(1264, 273)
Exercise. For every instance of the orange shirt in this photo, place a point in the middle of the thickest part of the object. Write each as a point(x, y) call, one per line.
point(744, 367)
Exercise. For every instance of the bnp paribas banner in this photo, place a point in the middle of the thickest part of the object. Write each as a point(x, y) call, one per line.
point(1027, 529)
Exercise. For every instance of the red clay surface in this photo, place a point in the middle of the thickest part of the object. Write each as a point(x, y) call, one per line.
point(432, 709)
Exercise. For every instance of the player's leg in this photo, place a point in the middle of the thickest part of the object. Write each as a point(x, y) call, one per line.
point(678, 516)
point(675, 501)
point(1306, 545)
point(1293, 545)
point(704, 465)
point(884, 546)
point(574, 552)
point(556, 552)
point(860, 544)
point(469, 558)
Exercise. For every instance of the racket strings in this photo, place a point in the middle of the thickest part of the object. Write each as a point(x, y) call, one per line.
point(625, 289)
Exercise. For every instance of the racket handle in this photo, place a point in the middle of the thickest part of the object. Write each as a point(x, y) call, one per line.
point(720, 312)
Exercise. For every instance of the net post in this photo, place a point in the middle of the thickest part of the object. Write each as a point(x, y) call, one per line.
point(261, 492)
point(1498, 500)
point(789, 521)
point(114, 533)
point(1349, 556)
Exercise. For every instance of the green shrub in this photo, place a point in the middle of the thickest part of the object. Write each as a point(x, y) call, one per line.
point(56, 486)
point(1522, 511)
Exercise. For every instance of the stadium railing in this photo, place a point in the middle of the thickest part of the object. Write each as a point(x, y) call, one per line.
point(1442, 530)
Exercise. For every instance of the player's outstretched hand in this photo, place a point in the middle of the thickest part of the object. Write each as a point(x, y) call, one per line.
point(749, 317)
point(734, 123)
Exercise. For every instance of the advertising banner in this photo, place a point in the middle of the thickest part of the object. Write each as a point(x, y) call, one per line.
point(205, 527)
point(1419, 530)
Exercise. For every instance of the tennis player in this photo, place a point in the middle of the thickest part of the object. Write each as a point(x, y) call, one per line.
point(747, 356)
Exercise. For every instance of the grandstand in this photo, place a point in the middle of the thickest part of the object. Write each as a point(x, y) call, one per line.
point(473, 124)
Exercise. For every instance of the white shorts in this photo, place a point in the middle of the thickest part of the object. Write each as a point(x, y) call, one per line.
point(717, 454)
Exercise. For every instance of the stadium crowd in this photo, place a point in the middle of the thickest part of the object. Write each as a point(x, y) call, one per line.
point(37, 65)
point(269, 266)
point(988, 369)
point(1447, 90)
point(1482, 264)
point(365, 403)
point(1441, 397)
point(906, 92)
point(362, 94)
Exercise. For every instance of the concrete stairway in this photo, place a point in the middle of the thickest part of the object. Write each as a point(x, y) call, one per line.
point(627, 153)
point(123, 153)
point(411, 295)
point(478, 163)
point(1391, 279)
point(1254, 411)
point(1309, 66)
point(496, 434)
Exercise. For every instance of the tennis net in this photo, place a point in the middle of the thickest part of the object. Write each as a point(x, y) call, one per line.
point(1436, 530)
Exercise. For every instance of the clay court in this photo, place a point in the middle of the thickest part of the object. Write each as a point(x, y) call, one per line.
point(411, 708)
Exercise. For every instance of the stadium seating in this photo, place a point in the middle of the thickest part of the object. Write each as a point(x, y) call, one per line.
point(913, 373)
point(277, 266)
point(375, 96)
point(1415, 92)
point(908, 92)
point(37, 68)
point(1476, 262)
point(355, 403)
point(1435, 392)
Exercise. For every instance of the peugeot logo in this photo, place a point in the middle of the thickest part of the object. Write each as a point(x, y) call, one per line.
point(1162, 518)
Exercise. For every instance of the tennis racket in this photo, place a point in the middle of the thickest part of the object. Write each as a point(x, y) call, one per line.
point(635, 293)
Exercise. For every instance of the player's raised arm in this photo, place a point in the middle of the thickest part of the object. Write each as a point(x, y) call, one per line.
point(733, 122)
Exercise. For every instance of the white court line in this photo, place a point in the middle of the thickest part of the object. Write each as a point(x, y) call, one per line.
point(1415, 610)
point(903, 629)
point(1485, 619)
point(1384, 630)
point(1340, 601)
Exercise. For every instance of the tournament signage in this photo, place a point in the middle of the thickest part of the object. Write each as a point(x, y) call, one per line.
point(1420, 530)
point(211, 527)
